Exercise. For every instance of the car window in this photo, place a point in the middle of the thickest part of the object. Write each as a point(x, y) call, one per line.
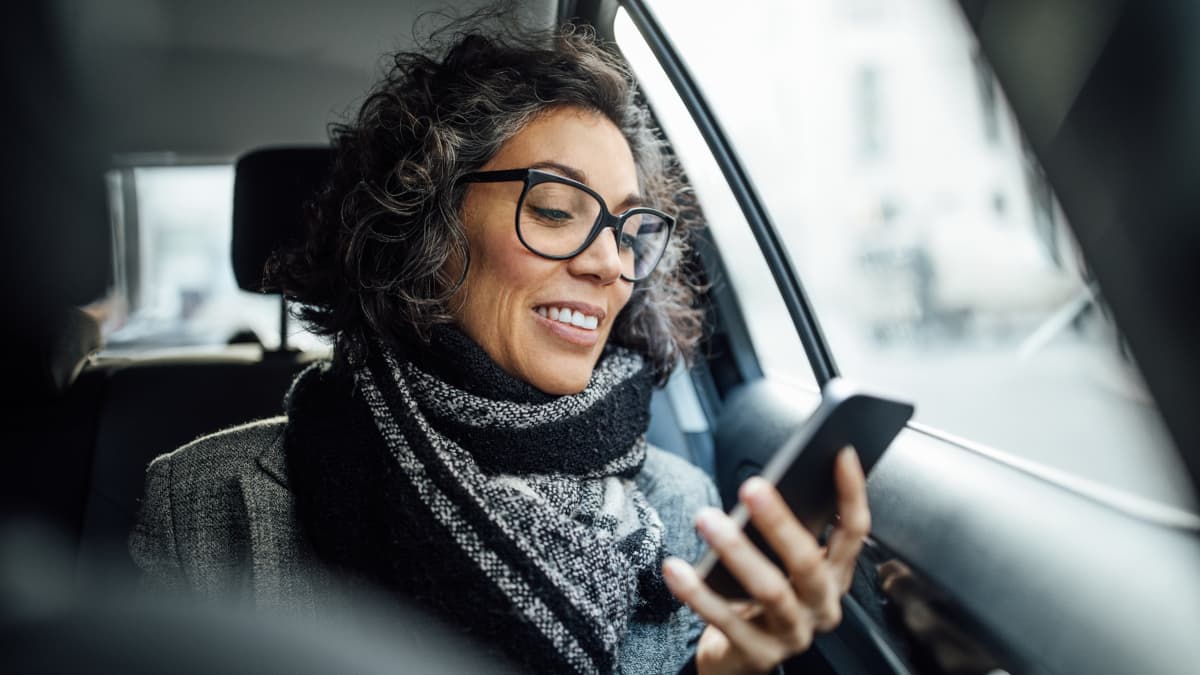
point(173, 281)
point(774, 338)
point(937, 259)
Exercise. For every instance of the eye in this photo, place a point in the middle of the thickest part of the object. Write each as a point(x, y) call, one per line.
point(557, 215)
point(626, 241)
point(652, 225)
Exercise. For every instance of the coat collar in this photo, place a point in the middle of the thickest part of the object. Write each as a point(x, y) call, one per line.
point(271, 458)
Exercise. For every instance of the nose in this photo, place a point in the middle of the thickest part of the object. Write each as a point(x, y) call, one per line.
point(600, 260)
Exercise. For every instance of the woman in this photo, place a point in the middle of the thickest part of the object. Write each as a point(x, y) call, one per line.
point(497, 264)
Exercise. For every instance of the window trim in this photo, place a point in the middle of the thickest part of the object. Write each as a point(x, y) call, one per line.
point(795, 299)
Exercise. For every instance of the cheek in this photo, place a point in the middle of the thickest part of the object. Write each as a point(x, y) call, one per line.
point(623, 292)
point(494, 250)
point(509, 266)
point(618, 301)
point(503, 275)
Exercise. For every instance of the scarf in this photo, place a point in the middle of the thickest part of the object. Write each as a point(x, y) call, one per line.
point(512, 514)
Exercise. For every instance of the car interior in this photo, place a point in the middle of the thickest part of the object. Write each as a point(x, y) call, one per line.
point(1014, 568)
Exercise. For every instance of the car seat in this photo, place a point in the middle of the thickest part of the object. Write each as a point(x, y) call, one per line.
point(152, 406)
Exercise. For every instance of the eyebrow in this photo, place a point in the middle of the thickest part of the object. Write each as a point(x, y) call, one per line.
point(632, 200)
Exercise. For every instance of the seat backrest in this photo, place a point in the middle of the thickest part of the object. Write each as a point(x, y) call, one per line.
point(151, 407)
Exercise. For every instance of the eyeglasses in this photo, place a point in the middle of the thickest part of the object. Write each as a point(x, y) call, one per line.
point(559, 218)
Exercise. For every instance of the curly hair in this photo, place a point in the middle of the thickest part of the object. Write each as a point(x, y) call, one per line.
point(383, 235)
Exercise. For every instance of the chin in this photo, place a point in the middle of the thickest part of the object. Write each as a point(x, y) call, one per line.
point(559, 383)
point(562, 386)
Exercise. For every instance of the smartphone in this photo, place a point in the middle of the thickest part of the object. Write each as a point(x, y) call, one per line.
point(802, 468)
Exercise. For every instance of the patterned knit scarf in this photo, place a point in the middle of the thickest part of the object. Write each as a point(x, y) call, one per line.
point(508, 512)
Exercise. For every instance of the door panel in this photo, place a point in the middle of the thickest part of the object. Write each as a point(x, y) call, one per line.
point(1053, 580)
point(1067, 583)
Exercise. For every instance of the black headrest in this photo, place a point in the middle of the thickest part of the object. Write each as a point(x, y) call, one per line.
point(270, 189)
point(48, 350)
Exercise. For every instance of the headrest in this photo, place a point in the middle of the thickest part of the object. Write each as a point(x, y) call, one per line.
point(48, 351)
point(270, 189)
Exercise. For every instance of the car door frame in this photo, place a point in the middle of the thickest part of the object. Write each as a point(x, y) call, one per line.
point(1030, 588)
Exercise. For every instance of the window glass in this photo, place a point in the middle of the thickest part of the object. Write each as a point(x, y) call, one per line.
point(778, 347)
point(174, 284)
point(934, 252)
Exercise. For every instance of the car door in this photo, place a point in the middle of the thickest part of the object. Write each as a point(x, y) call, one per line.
point(1035, 517)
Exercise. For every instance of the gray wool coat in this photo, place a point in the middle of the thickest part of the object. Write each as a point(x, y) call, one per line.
point(218, 522)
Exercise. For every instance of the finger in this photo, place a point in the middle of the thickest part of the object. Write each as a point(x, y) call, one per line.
point(756, 573)
point(848, 546)
point(854, 523)
point(795, 545)
point(686, 585)
point(817, 588)
point(747, 609)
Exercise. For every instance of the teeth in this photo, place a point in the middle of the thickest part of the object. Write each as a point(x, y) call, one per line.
point(569, 316)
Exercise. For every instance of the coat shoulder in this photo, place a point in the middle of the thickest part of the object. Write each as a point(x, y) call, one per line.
point(218, 521)
point(225, 454)
point(668, 476)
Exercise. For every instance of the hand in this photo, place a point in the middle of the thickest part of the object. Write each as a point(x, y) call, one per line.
point(786, 611)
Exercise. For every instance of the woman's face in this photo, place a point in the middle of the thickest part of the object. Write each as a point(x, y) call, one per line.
point(508, 287)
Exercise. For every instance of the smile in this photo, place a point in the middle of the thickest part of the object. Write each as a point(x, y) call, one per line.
point(566, 315)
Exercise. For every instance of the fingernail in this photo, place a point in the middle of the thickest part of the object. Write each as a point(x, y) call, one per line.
point(714, 525)
point(677, 572)
point(753, 491)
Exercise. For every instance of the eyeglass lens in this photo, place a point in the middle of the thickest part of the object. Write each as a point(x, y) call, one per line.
point(556, 218)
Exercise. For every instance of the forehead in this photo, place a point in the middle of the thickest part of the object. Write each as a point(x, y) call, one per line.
point(584, 140)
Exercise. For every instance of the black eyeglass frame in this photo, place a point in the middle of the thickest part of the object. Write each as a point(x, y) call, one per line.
point(604, 220)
